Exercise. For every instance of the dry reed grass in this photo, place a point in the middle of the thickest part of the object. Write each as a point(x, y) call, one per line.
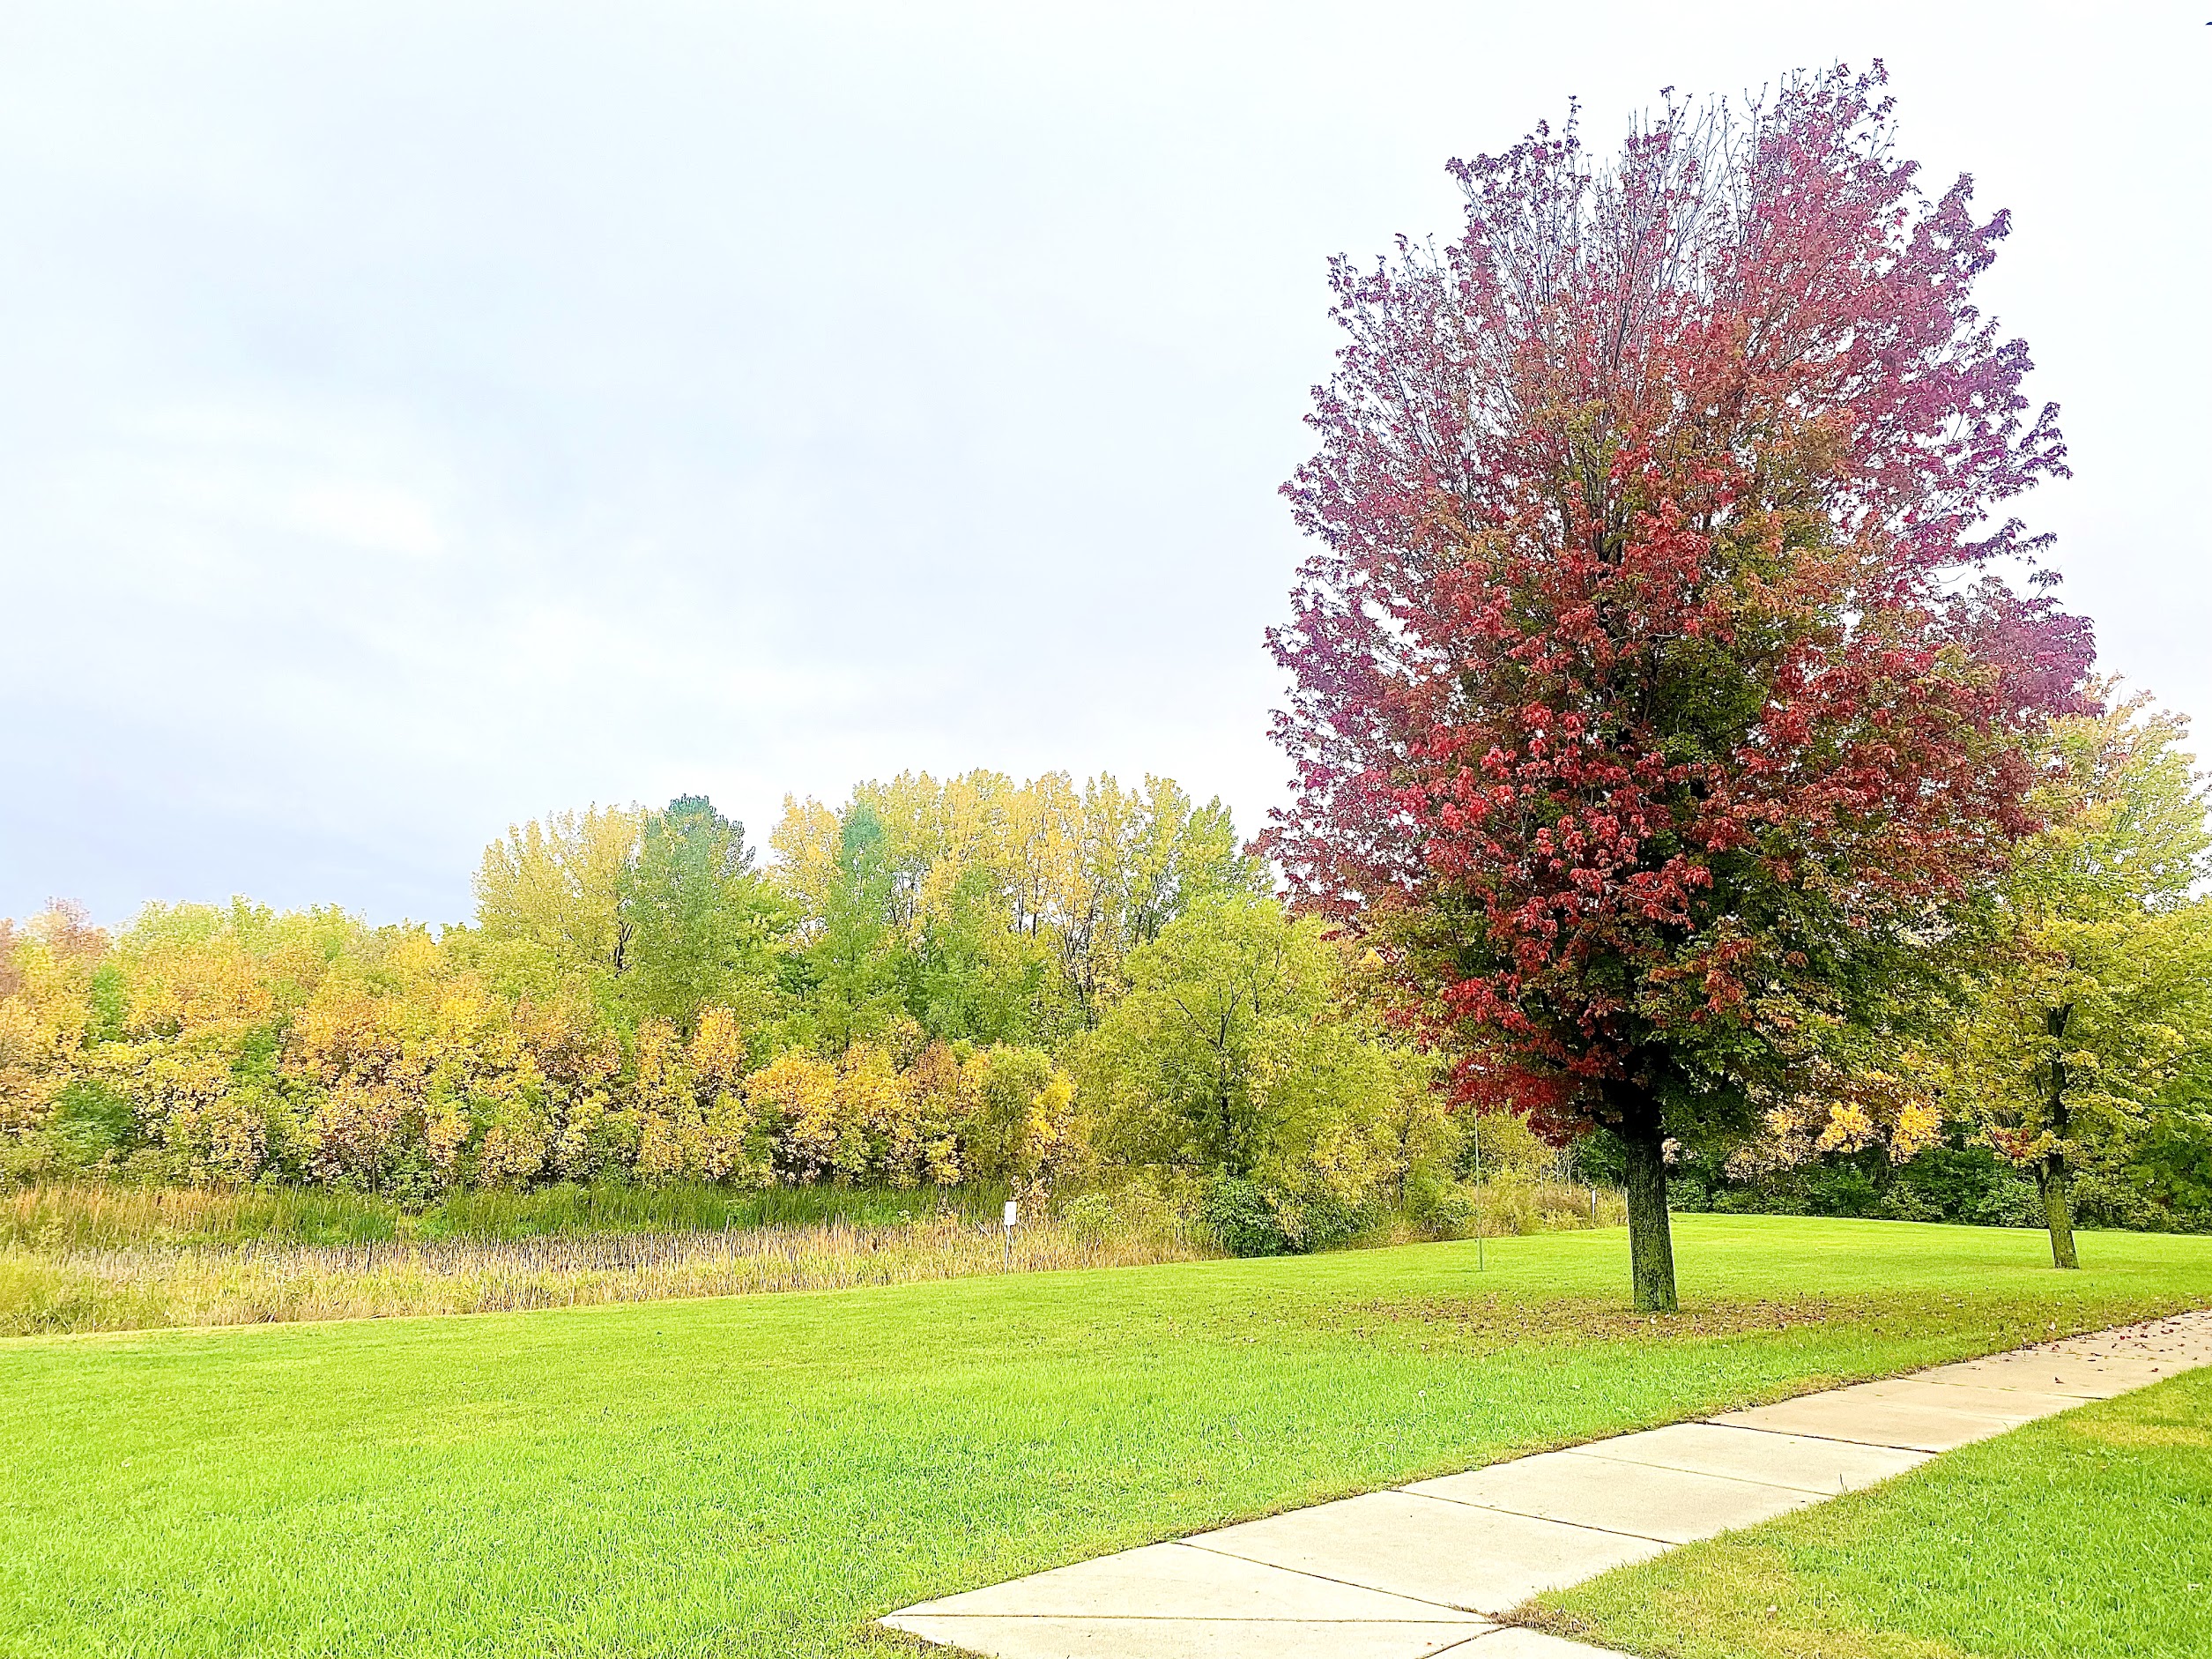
point(1546, 1205)
point(1515, 1204)
point(150, 1286)
point(107, 1259)
point(99, 1215)
point(95, 1215)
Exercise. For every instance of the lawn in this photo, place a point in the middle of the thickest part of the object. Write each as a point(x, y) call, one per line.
point(762, 1475)
point(2085, 1536)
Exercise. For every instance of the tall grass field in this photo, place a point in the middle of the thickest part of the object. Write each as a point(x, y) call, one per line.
point(88, 1257)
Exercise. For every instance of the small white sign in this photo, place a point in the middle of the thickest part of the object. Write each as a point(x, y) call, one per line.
point(1013, 1214)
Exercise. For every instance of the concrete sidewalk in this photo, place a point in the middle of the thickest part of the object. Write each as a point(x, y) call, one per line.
point(1424, 1569)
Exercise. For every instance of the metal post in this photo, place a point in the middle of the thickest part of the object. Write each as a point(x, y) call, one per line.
point(1479, 1266)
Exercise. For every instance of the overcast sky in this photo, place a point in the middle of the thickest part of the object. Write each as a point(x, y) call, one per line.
point(413, 419)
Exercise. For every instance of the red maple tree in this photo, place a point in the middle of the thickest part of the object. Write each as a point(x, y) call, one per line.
point(1654, 675)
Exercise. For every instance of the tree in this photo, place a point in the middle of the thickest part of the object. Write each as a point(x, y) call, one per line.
point(1236, 1050)
point(1149, 855)
point(852, 948)
point(209, 994)
point(557, 885)
point(2099, 991)
point(44, 1013)
point(970, 974)
point(1655, 685)
point(701, 927)
point(1000, 911)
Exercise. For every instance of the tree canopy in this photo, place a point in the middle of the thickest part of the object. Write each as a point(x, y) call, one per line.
point(2096, 994)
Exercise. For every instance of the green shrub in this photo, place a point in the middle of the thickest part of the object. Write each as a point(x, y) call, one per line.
point(1507, 1145)
point(1952, 1183)
point(1968, 1184)
point(2172, 1163)
point(1319, 1219)
point(92, 1123)
point(2125, 1198)
point(1247, 1219)
point(1091, 1218)
point(1440, 1209)
point(1242, 1218)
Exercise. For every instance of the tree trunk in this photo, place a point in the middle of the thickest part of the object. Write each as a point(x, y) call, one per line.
point(2057, 1210)
point(1651, 1237)
point(2058, 1205)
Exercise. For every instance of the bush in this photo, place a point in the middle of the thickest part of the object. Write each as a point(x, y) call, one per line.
point(1514, 1204)
point(1320, 1220)
point(1091, 1218)
point(1242, 1218)
point(2124, 1198)
point(1247, 1219)
point(92, 1123)
point(1970, 1185)
point(2172, 1166)
point(1955, 1183)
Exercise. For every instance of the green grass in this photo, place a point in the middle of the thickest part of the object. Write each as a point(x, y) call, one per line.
point(761, 1475)
point(2084, 1537)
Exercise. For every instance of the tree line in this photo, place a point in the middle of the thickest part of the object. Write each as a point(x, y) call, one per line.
point(1029, 985)
point(933, 983)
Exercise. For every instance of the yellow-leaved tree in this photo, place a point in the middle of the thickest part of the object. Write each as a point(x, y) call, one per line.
point(45, 1007)
point(2099, 990)
point(986, 910)
point(555, 884)
point(1237, 1058)
point(210, 993)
